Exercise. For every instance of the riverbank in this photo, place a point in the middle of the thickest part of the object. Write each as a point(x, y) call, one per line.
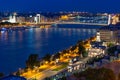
point(18, 45)
point(100, 60)
point(55, 61)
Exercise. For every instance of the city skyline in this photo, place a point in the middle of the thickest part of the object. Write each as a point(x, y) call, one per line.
point(60, 5)
point(59, 40)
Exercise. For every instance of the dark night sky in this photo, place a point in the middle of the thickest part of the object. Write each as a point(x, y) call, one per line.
point(60, 5)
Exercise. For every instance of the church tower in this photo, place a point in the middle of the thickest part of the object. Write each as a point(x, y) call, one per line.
point(12, 18)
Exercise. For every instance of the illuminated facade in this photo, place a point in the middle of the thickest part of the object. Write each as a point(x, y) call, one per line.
point(110, 34)
point(12, 18)
point(115, 19)
point(20, 19)
point(98, 37)
point(37, 18)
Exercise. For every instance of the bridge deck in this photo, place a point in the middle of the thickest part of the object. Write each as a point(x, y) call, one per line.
point(50, 23)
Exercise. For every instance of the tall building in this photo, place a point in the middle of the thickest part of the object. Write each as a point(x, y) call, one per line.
point(37, 18)
point(20, 19)
point(12, 18)
point(110, 34)
point(29, 19)
point(118, 36)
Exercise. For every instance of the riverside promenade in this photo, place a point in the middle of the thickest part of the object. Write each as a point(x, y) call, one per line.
point(57, 65)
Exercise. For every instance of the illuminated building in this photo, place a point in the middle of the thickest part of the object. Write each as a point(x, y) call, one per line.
point(37, 18)
point(5, 20)
point(98, 37)
point(20, 19)
point(110, 34)
point(12, 18)
point(115, 19)
point(64, 17)
point(29, 19)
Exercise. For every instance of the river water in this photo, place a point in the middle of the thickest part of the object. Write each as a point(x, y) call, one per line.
point(16, 46)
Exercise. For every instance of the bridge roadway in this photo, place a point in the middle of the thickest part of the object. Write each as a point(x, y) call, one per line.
point(50, 23)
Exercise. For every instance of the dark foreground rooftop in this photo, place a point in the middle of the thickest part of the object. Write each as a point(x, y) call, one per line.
point(12, 77)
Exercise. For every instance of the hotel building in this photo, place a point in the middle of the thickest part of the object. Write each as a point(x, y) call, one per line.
point(110, 34)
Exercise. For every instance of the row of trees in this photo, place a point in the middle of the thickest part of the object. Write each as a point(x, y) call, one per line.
point(81, 49)
point(33, 59)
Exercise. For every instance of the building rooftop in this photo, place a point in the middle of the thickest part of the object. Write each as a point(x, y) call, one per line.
point(98, 45)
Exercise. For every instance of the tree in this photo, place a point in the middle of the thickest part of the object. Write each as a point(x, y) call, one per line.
point(110, 45)
point(73, 48)
point(1, 74)
point(63, 78)
point(32, 61)
point(85, 54)
point(65, 51)
point(47, 78)
point(18, 73)
point(56, 56)
point(47, 57)
point(80, 42)
point(86, 42)
point(111, 50)
point(92, 38)
point(81, 50)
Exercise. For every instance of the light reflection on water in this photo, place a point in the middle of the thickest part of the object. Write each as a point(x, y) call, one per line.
point(16, 46)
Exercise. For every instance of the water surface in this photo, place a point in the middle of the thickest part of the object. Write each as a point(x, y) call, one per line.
point(16, 46)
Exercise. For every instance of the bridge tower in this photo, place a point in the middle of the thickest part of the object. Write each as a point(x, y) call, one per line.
point(109, 19)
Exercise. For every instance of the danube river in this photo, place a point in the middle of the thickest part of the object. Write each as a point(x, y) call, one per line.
point(16, 46)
